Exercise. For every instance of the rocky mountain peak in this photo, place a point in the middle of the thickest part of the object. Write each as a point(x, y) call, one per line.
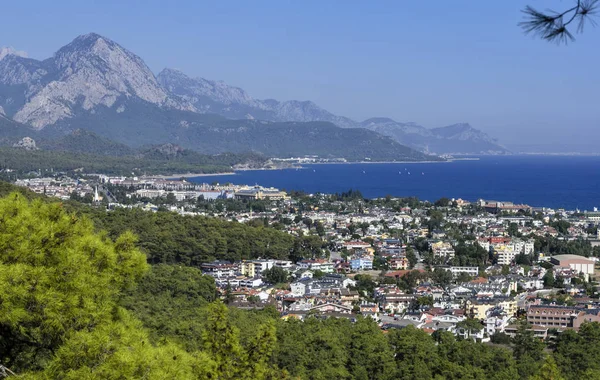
point(170, 73)
point(459, 127)
point(26, 143)
point(200, 91)
point(93, 79)
point(6, 51)
point(88, 45)
point(91, 71)
point(462, 131)
point(376, 120)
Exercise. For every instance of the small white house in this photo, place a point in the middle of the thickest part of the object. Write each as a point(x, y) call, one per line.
point(298, 289)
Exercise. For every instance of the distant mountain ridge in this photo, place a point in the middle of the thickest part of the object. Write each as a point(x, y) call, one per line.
point(454, 139)
point(95, 84)
point(235, 103)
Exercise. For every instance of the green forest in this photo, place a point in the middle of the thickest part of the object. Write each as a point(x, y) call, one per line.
point(86, 294)
point(148, 162)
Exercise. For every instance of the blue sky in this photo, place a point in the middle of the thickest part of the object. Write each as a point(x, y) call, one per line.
point(432, 62)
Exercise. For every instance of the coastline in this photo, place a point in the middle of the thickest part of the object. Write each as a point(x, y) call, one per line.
point(190, 175)
point(375, 162)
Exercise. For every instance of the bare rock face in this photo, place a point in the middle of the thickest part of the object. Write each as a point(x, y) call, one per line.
point(6, 51)
point(201, 92)
point(169, 150)
point(89, 72)
point(218, 97)
point(26, 143)
point(96, 84)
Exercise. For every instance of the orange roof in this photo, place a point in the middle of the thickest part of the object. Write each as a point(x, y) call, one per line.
point(479, 280)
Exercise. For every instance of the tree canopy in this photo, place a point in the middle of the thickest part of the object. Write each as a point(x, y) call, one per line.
point(80, 303)
point(58, 277)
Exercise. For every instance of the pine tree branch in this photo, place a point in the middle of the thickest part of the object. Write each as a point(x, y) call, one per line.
point(551, 25)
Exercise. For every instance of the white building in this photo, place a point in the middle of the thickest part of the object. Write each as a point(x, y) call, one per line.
point(361, 263)
point(578, 263)
point(531, 283)
point(262, 265)
point(484, 243)
point(506, 256)
point(298, 289)
point(251, 282)
point(521, 246)
point(442, 249)
point(285, 264)
point(317, 264)
point(471, 271)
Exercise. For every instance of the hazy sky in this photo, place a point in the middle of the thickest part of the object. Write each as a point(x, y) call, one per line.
point(432, 62)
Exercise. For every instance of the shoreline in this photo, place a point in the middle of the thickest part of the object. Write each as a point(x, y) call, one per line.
point(192, 175)
point(189, 175)
point(376, 162)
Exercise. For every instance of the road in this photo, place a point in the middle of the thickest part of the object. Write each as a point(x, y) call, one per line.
point(109, 196)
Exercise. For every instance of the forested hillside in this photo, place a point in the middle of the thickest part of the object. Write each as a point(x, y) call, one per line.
point(46, 161)
point(170, 238)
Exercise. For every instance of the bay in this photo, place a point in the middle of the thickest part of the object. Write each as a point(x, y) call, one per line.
point(571, 182)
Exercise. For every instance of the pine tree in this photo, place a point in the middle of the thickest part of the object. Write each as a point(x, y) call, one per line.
point(222, 343)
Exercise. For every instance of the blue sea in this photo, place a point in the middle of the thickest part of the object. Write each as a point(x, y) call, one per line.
point(571, 182)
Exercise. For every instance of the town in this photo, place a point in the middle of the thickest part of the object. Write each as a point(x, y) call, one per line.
point(474, 269)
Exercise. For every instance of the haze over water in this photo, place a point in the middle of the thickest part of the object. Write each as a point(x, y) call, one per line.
point(553, 181)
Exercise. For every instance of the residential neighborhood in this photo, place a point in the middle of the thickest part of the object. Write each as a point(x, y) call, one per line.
point(398, 261)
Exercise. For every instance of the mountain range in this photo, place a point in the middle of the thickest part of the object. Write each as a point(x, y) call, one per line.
point(94, 84)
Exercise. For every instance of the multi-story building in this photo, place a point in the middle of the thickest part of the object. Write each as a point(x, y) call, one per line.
point(361, 263)
point(471, 271)
point(395, 302)
point(398, 262)
point(523, 246)
point(220, 269)
point(552, 316)
point(505, 255)
point(561, 317)
point(593, 216)
point(259, 192)
point(262, 265)
point(285, 264)
point(478, 308)
point(247, 269)
point(317, 264)
point(442, 249)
